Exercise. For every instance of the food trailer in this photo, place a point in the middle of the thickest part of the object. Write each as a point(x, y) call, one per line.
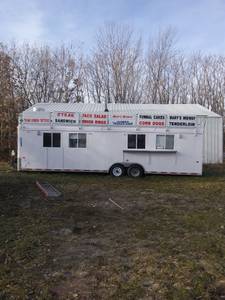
point(133, 139)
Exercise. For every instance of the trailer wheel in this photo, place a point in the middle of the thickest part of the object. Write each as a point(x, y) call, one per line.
point(117, 170)
point(135, 171)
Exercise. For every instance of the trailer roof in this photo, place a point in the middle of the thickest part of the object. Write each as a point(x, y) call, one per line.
point(182, 109)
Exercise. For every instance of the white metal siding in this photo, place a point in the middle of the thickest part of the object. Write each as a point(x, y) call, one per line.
point(213, 130)
point(213, 141)
point(107, 147)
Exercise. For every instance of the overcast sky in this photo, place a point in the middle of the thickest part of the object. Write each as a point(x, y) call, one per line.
point(200, 24)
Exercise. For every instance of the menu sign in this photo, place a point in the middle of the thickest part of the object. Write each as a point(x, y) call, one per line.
point(147, 120)
point(65, 118)
point(182, 121)
point(122, 119)
point(42, 118)
point(94, 119)
point(35, 120)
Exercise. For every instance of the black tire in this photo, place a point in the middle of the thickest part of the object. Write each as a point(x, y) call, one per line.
point(135, 171)
point(117, 170)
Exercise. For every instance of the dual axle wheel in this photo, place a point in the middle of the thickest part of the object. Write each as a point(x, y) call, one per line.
point(119, 170)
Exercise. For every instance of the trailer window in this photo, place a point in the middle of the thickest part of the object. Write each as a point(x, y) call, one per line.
point(73, 140)
point(136, 141)
point(47, 139)
point(141, 141)
point(81, 140)
point(131, 141)
point(77, 140)
point(170, 142)
point(51, 139)
point(165, 142)
point(56, 139)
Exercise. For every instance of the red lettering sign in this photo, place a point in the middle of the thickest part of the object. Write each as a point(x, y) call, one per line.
point(86, 115)
point(87, 121)
point(36, 120)
point(122, 116)
point(158, 123)
point(65, 114)
point(97, 116)
point(101, 122)
point(150, 123)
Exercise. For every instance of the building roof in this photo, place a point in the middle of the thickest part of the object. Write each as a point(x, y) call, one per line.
point(173, 109)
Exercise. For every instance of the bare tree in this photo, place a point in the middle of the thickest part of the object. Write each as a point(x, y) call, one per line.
point(48, 75)
point(114, 71)
point(207, 81)
point(162, 68)
point(9, 104)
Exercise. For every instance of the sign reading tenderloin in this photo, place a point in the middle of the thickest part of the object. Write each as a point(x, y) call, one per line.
point(182, 121)
point(147, 120)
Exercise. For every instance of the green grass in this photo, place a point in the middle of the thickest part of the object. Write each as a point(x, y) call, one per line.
point(167, 242)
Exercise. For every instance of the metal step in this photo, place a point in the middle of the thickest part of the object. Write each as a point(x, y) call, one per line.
point(48, 189)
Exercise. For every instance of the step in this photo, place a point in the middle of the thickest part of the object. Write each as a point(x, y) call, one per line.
point(48, 189)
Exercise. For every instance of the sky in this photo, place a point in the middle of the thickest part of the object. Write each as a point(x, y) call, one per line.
point(200, 24)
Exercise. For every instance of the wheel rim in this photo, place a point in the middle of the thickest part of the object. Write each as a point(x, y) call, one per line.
point(117, 171)
point(135, 172)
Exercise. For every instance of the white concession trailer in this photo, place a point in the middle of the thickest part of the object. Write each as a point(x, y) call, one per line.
point(129, 138)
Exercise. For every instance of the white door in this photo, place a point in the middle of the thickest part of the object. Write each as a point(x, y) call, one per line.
point(53, 143)
point(33, 155)
point(55, 158)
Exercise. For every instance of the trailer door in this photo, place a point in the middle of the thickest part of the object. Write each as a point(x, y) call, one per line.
point(52, 141)
point(32, 154)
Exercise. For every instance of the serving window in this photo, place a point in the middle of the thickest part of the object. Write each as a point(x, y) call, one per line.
point(165, 142)
point(77, 140)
